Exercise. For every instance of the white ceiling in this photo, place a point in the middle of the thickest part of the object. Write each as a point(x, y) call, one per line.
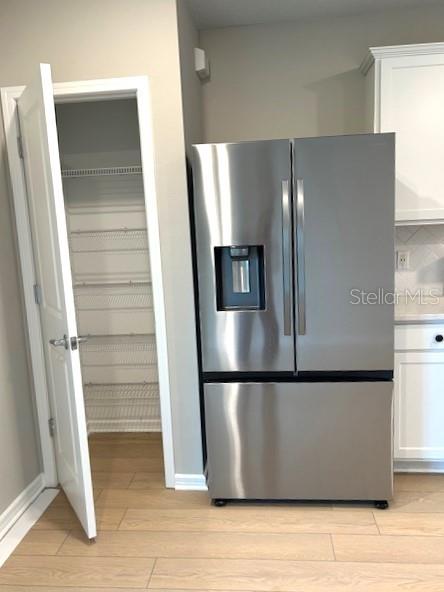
point(208, 14)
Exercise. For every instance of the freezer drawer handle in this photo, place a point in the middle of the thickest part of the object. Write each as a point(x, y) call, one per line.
point(286, 256)
point(300, 255)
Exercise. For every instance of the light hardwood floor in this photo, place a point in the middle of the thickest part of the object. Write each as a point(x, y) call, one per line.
point(157, 539)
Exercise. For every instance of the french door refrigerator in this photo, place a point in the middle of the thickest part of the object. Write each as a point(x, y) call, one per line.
point(294, 245)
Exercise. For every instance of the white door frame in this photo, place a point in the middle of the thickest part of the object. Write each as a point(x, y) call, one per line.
point(89, 90)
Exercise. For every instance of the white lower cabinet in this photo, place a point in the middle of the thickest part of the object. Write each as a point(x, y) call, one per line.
point(419, 405)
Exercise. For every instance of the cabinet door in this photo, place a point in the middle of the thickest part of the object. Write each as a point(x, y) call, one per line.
point(419, 405)
point(411, 105)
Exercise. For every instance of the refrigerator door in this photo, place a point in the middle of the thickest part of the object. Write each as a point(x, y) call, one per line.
point(344, 244)
point(243, 218)
point(299, 440)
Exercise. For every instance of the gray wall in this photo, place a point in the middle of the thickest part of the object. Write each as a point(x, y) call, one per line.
point(99, 39)
point(19, 447)
point(98, 133)
point(300, 79)
point(191, 85)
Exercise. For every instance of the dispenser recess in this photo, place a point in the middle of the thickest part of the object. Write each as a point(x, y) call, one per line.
point(239, 277)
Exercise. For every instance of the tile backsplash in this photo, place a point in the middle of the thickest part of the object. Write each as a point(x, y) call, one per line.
point(425, 246)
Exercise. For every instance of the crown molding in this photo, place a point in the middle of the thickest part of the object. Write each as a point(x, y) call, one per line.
point(396, 51)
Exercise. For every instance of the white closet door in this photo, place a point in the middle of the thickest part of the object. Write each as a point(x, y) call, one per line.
point(48, 224)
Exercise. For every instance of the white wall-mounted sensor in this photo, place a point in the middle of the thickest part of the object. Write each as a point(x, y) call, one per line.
point(201, 64)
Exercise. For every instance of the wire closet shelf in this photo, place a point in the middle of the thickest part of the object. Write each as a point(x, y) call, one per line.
point(102, 171)
point(109, 239)
point(113, 295)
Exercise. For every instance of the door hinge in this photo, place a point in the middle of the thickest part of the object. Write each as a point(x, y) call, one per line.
point(52, 425)
point(37, 294)
point(20, 146)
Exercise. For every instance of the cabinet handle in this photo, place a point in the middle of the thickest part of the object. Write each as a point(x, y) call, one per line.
point(439, 338)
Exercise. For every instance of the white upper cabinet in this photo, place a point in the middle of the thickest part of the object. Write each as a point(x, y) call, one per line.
point(405, 94)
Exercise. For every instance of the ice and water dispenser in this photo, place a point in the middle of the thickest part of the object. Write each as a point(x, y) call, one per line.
point(240, 277)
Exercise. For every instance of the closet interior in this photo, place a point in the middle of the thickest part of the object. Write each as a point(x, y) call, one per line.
point(106, 219)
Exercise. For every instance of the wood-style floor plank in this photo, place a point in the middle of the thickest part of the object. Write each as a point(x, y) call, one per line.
point(388, 549)
point(108, 480)
point(123, 450)
point(63, 518)
point(215, 545)
point(125, 465)
point(418, 482)
point(128, 438)
point(41, 542)
point(77, 571)
point(7, 588)
point(148, 481)
point(408, 501)
point(400, 523)
point(62, 501)
point(242, 547)
point(246, 519)
point(404, 501)
point(168, 498)
point(295, 576)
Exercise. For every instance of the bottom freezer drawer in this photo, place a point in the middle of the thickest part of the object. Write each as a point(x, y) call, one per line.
point(330, 441)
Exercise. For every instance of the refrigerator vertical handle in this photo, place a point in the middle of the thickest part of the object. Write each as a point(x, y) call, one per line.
point(286, 256)
point(300, 255)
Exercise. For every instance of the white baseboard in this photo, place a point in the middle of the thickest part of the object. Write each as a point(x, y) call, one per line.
point(19, 505)
point(418, 466)
point(22, 514)
point(190, 482)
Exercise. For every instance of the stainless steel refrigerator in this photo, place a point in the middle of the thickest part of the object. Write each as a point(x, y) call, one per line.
point(294, 246)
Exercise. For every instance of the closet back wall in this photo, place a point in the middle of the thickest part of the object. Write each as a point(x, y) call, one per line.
point(301, 79)
point(82, 40)
point(106, 219)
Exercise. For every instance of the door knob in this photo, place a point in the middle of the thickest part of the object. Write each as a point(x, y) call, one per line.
point(79, 339)
point(63, 342)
